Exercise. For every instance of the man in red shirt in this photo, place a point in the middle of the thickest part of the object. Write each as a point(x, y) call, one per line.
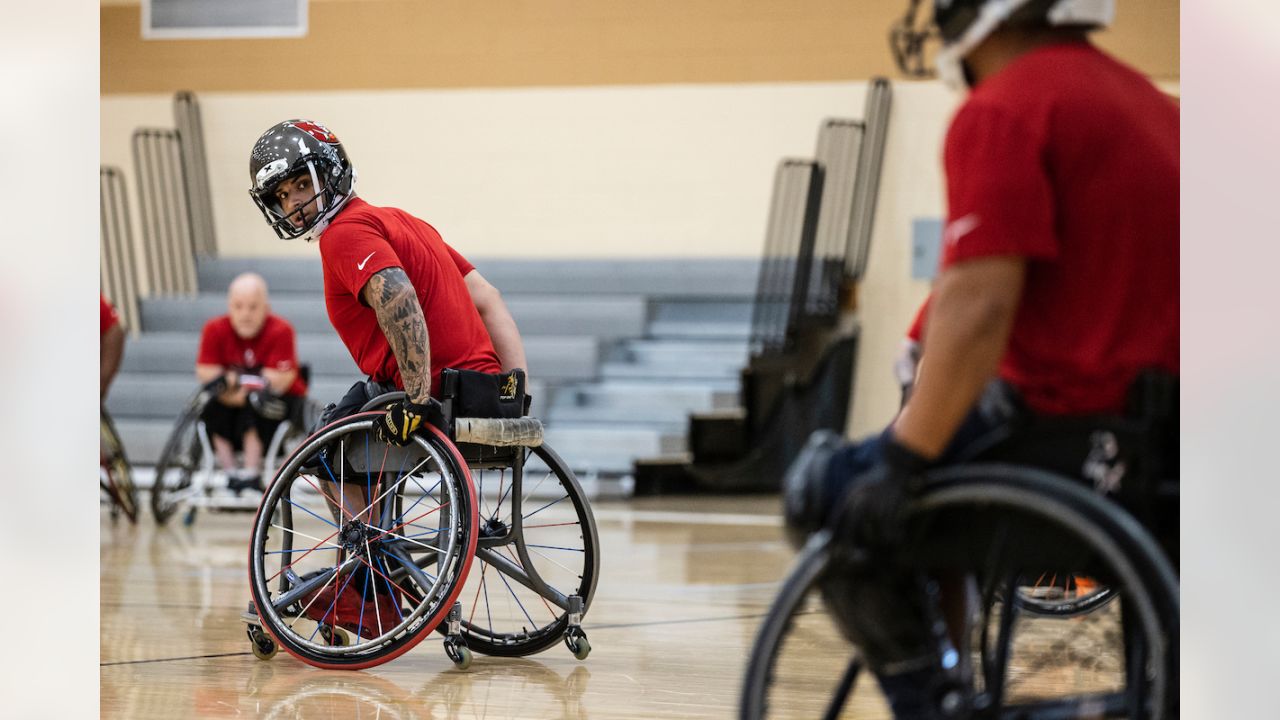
point(111, 346)
point(405, 304)
point(1059, 282)
point(254, 353)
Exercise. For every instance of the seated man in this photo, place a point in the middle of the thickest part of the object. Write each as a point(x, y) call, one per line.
point(1058, 292)
point(405, 304)
point(111, 346)
point(254, 354)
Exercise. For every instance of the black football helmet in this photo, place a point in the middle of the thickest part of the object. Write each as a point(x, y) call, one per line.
point(962, 24)
point(292, 148)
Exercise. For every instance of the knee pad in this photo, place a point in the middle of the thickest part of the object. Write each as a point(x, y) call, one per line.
point(805, 500)
point(890, 615)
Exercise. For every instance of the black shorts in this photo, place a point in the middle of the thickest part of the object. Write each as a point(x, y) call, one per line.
point(360, 393)
point(231, 423)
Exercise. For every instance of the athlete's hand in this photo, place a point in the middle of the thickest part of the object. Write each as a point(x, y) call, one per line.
point(873, 512)
point(268, 405)
point(404, 418)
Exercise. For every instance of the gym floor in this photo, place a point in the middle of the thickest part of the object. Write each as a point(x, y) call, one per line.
point(683, 586)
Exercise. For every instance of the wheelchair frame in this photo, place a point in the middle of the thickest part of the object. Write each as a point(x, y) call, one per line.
point(500, 545)
point(1148, 586)
point(115, 474)
point(197, 474)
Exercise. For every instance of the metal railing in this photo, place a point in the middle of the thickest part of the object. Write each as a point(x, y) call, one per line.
point(867, 188)
point(195, 172)
point(162, 200)
point(839, 149)
point(118, 271)
point(788, 254)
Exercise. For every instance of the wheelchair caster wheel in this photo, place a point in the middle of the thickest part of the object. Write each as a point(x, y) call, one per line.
point(460, 654)
point(578, 645)
point(335, 636)
point(264, 648)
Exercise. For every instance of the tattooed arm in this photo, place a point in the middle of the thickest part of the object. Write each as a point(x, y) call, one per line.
point(395, 302)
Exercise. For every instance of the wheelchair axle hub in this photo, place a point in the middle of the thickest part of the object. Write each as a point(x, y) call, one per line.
point(355, 534)
point(493, 527)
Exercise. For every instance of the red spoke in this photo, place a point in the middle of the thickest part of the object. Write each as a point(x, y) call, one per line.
point(544, 600)
point(476, 602)
point(304, 555)
point(410, 522)
point(341, 505)
point(389, 580)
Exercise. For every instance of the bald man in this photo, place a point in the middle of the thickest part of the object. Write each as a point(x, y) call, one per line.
point(256, 354)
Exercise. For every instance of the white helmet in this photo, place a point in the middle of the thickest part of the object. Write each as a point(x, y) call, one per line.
point(963, 24)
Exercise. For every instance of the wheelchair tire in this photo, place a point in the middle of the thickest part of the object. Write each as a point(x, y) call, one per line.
point(504, 615)
point(1068, 605)
point(395, 543)
point(118, 473)
point(1130, 560)
point(179, 461)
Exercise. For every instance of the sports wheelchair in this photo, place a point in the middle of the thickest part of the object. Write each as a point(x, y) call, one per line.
point(186, 474)
point(990, 531)
point(483, 490)
point(115, 474)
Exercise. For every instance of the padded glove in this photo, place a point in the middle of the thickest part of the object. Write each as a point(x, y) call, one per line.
point(872, 513)
point(268, 405)
point(404, 418)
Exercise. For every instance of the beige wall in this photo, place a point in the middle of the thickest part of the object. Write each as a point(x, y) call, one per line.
point(384, 44)
point(578, 129)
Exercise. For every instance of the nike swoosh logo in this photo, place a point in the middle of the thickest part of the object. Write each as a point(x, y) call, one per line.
point(360, 265)
point(960, 227)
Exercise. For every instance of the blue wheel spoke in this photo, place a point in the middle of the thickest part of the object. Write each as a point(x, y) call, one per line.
point(553, 547)
point(390, 589)
point(332, 604)
point(544, 507)
point(327, 521)
point(517, 599)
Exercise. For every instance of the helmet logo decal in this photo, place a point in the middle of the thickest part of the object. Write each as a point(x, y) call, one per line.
point(269, 170)
point(315, 130)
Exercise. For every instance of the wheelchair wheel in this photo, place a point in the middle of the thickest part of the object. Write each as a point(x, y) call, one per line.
point(538, 550)
point(387, 571)
point(116, 478)
point(180, 460)
point(994, 524)
point(1066, 595)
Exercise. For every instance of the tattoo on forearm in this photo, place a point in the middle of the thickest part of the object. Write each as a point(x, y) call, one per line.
point(393, 299)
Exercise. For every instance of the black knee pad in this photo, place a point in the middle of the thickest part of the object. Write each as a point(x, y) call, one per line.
point(891, 615)
point(805, 491)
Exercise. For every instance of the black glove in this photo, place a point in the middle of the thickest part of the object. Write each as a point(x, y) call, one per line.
point(215, 387)
point(268, 405)
point(872, 513)
point(404, 418)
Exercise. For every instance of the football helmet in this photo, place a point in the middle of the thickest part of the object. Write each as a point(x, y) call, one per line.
point(962, 24)
point(290, 149)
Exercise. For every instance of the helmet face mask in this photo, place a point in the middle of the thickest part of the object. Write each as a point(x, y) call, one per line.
point(300, 148)
point(961, 25)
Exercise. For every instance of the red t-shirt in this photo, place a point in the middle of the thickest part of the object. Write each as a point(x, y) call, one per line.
point(273, 348)
point(364, 239)
point(915, 333)
point(1070, 159)
point(109, 317)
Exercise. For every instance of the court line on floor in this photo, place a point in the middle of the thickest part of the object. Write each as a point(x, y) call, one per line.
point(173, 659)
point(686, 621)
point(693, 518)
